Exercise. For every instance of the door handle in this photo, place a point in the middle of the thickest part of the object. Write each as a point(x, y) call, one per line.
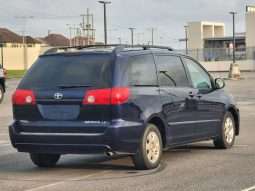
point(199, 96)
point(191, 94)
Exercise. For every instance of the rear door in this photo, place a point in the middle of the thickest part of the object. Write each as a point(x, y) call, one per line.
point(179, 107)
point(60, 83)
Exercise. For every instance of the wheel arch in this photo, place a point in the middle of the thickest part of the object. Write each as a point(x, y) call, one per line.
point(235, 113)
point(158, 121)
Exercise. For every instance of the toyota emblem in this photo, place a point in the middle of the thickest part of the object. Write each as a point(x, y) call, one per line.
point(58, 96)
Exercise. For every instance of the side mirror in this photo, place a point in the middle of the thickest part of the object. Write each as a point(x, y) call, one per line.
point(219, 83)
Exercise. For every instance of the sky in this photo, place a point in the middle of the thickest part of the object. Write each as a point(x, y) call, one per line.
point(167, 17)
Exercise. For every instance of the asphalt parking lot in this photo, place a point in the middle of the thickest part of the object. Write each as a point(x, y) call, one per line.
point(195, 167)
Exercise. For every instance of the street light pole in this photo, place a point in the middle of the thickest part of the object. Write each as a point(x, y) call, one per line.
point(152, 36)
point(105, 20)
point(186, 39)
point(234, 71)
point(132, 35)
point(119, 38)
point(234, 37)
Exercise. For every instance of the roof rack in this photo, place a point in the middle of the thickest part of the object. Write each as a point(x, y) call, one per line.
point(117, 47)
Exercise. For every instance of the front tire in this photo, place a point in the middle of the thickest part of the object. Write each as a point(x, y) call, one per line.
point(1, 93)
point(227, 135)
point(44, 160)
point(150, 149)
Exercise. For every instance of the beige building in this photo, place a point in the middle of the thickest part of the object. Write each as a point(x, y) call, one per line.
point(198, 31)
point(250, 26)
point(208, 44)
point(18, 53)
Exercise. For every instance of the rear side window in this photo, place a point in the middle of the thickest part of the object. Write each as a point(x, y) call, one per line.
point(142, 71)
point(171, 71)
point(64, 70)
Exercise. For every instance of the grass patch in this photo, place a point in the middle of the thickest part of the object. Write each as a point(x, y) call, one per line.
point(15, 73)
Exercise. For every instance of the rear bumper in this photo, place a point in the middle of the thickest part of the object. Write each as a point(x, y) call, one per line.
point(117, 136)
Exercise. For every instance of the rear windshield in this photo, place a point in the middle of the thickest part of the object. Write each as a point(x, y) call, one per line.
point(69, 70)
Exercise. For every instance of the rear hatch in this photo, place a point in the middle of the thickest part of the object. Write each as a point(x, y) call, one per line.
point(56, 86)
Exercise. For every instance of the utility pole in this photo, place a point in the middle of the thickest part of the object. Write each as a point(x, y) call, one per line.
point(24, 43)
point(105, 20)
point(234, 71)
point(78, 36)
point(75, 38)
point(132, 35)
point(152, 36)
point(186, 39)
point(87, 26)
point(70, 34)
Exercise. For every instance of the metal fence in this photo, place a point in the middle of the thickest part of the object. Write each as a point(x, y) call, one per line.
point(221, 54)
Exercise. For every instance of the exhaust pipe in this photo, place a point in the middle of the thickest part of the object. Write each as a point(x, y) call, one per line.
point(110, 153)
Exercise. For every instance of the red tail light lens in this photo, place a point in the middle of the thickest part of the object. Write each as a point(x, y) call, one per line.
point(107, 96)
point(23, 97)
point(119, 95)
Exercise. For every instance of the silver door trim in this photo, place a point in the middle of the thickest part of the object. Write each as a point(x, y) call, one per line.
point(193, 122)
point(60, 134)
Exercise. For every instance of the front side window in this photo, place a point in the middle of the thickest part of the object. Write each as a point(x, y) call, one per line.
point(200, 79)
point(142, 71)
point(171, 71)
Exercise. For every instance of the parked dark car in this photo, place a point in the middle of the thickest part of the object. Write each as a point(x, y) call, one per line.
point(2, 83)
point(117, 99)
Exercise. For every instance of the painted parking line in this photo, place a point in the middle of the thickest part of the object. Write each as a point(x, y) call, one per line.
point(241, 145)
point(5, 145)
point(64, 181)
point(249, 189)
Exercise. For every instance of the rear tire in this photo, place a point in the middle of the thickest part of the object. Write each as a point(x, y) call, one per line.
point(150, 149)
point(1, 93)
point(44, 160)
point(227, 135)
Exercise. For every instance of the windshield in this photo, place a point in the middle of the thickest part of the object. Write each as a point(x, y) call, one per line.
point(90, 70)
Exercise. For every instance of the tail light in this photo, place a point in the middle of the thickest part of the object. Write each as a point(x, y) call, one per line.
point(107, 96)
point(23, 97)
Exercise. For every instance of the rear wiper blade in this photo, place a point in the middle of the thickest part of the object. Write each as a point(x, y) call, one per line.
point(73, 86)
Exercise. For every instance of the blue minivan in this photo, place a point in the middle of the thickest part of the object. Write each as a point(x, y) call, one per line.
point(118, 99)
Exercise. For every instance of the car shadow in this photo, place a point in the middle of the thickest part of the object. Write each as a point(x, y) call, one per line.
point(120, 163)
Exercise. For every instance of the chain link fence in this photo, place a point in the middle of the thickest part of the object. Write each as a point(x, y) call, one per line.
point(221, 54)
point(218, 60)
